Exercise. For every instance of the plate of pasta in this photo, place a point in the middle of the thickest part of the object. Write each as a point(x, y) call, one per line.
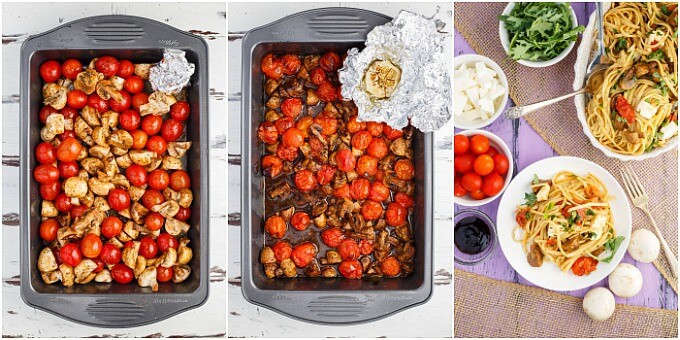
point(564, 223)
point(633, 112)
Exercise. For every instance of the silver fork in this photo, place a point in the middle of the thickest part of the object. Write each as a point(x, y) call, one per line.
point(639, 197)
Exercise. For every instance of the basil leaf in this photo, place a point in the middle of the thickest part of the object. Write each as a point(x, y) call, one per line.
point(612, 245)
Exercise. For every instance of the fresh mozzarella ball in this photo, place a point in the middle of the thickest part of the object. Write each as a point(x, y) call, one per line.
point(626, 280)
point(644, 246)
point(599, 304)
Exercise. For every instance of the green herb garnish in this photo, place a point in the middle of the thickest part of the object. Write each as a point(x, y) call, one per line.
point(612, 245)
point(622, 44)
point(529, 199)
point(657, 55)
point(590, 212)
point(665, 10)
point(535, 180)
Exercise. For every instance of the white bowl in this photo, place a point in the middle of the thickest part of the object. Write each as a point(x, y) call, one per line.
point(470, 60)
point(500, 145)
point(503, 34)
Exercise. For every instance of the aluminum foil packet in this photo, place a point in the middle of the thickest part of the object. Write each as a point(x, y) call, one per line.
point(410, 51)
point(172, 73)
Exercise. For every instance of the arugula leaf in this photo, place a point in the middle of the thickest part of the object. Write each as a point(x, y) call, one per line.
point(657, 55)
point(612, 245)
point(530, 199)
point(535, 180)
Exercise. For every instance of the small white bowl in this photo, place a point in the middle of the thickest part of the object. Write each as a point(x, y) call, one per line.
point(500, 145)
point(505, 41)
point(470, 60)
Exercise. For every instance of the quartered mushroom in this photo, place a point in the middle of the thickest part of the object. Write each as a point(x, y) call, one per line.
point(168, 258)
point(130, 254)
point(84, 271)
point(175, 227)
point(68, 277)
point(120, 139)
point(51, 277)
point(159, 104)
point(47, 262)
point(170, 194)
point(99, 187)
point(103, 276)
point(129, 232)
point(138, 212)
point(186, 196)
point(109, 89)
point(87, 80)
point(65, 235)
point(181, 273)
point(109, 119)
point(140, 265)
point(142, 70)
point(100, 134)
point(142, 157)
point(89, 222)
point(92, 165)
point(171, 163)
point(54, 95)
point(148, 279)
point(178, 149)
point(54, 125)
point(101, 204)
point(154, 164)
point(91, 116)
point(48, 209)
point(166, 209)
point(267, 255)
point(184, 253)
point(136, 193)
point(124, 161)
point(84, 132)
point(289, 268)
point(98, 151)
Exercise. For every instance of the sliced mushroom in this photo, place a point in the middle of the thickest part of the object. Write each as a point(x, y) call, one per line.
point(100, 187)
point(140, 265)
point(47, 262)
point(147, 278)
point(54, 95)
point(48, 209)
point(136, 193)
point(129, 232)
point(289, 268)
point(171, 163)
point(267, 255)
point(91, 116)
point(84, 271)
point(130, 254)
point(84, 132)
point(166, 209)
point(628, 80)
point(87, 80)
point(142, 70)
point(144, 231)
point(184, 253)
point(185, 197)
point(181, 273)
point(142, 157)
point(51, 277)
point(168, 258)
point(175, 227)
point(138, 212)
point(120, 139)
point(107, 89)
point(103, 276)
point(75, 187)
point(54, 125)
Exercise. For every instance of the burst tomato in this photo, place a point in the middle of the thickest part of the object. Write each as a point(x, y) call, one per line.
point(325, 174)
point(349, 249)
point(271, 166)
point(305, 180)
point(332, 236)
point(327, 92)
point(395, 215)
point(351, 269)
point(272, 67)
point(379, 192)
point(275, 226)
point(360, 188)
point(282, 250)
point(300, 220)
point(268, 133)
point(293, 138)
point(345, 160)
point(377, 148)
point(318, 76)
point(390, 266)
point(367, 166)
point(404, 169)
point(361, 140)
point(303, 254)
point(371, 210)
point(291, 64)
point(330, 61)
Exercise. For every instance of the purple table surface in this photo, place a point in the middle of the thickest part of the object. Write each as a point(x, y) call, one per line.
point(521, 138)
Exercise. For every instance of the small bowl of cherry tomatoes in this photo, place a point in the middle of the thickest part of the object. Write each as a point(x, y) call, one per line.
point(483, 167)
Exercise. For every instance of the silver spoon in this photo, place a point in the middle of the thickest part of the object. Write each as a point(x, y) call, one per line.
point(595, 69)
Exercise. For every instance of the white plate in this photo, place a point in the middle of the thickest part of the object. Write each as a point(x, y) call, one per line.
point(549, 276)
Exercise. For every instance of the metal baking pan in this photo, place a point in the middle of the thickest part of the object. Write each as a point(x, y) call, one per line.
point(139, 40)
point(325, 301)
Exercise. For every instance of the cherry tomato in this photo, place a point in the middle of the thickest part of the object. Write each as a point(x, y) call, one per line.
point(291, 107)
point(367, 166)
point(112, 226)
point(305, 180)
point(293, 138)
point(471, 181)
point(349, 249)
point(119, 199)
point(157, 144)
point(272, 67)
point(361, 140)
point(271, 166)
point(318, 76)
point(139, 139)
point(139, 99)
point(122, 273)
point(275, 226)
point(91, 246)
point(329, 125)
point(584, 265)
point(50, 71)
point(268, 133)
point(325, 174)
point(70, 68)
point(351, 269)
point(148, 248)
point(354, 126)
point(69, 112)
point(45, 112)
point(478, 194)
point(377, 148)
point(365, 246)
point(166, 241)
point(390, 266)
point(125, 69)
point(68, 169)
point(180, 180)
point(492, 184)
point(172, 130)
point(63, 203)
point(46, 173)
point(50, 191)
point(97, 103)
point(360, 188)
point(330, 61)
point(129, 120)
point(164, 274)
point(375, 128)
point(342, 192)
point(282, 250)
point(461, 144)
point(183, 214)
point(158, 179)
point(303, 254)
point(136, 174)
point(180, 111)
point(624, 108)
point(154, 221)
point(76, 99)
point(110, 254)
point(121, 105)
point(69, 150)
point(501, 164)
point(483, 165)
point(152, 197)
point(379, 192)
point(45, 153)
point(67, 134)
point(492, 151)
point(395, 215)
point(291, 64)
point(48, 229)
point(345, 160)
point(300, 220)
point(463, 163)
point(78, 210)
point(371, 210)
point(70, 254)
point(284, 123)
point(152, 124)
point(404, 169)
point(458, 189)
point(332, 236)
point(405, 200)
point(392, 133)
point(107, 65)
point(479, 144)
point(327, 92)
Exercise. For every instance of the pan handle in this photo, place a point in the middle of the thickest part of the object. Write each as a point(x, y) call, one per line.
point(115, 31)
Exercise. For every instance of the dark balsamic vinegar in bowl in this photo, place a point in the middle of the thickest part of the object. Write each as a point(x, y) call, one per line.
point(474, 236)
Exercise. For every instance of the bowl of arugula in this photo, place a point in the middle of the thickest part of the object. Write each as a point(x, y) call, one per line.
point(538, 34)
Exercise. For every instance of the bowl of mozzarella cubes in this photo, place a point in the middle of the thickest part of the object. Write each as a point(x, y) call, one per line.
point(480, 91)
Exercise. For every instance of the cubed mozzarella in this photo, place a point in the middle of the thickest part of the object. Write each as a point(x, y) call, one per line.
point(476, 90)
point(669, 130)
point(486, 105)
point(646, 109)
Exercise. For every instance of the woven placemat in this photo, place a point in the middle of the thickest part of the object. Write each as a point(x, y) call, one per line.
point(492, 308)
point(560, 127)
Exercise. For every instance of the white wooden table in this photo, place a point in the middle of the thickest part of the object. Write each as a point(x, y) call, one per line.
point(433, 319)
point(22, 20)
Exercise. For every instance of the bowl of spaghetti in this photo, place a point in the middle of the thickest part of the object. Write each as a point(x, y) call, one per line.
point(632, 114)
point(564, 223)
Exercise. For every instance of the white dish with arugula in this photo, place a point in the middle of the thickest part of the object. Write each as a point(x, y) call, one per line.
point(519, 193)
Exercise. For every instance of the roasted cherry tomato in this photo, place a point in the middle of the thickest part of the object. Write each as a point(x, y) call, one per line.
point(45, 112)
point(148, 248)
point(268, 133)
point(349, 249)
point(70, 254)
point(392, 133)
point(291, 107)
point(342, 192)
point(45, 153)
point(271, 166)
point(107, 65)
point(483, 165)
point(180, 110)
point(371, 210)
point(293, 138)
point(69, 150)
point(48, 229)
point(70, 68)
point(375, 128)
point(125, 69)
point(112, 226)
point(291, 64)
point(351, 269)
point(300, 220)
point(129, 120)
point(395, 215)
point(303, 254)
point(332, 236)
point(152, 197)
point(183, 214)
point(76, 99)
point(283, 124)
point(461, 144)
point(110, 254)
point(379, 192)
point(46, 173)
point(152, 124)
point(282, 250)
point(318, 76)
point(50, 71)
point(359, 189)
point(305, 180)
point(164, 274)
point(166, 241)
point(354, 126)
point(91, 245)
point(275, 226)
point(67, 134)
point(122, 273)
point(172, 130)
point(158, 179)
point(329, 125)
point(78, 210)
point(96, 102)
point(404, 169)
point(377, 148)
point(327, 92)
point(68, 169)
point(325, 174)
point(119, 199)
point(179, 180)
point(492, 184)
point(361, 140)
point(50, 191)
point(134, 85)
point(501, 164)
point(272, 67)
point(390, 266)
point(69, 112)
point(136, 174)
point(479, 144)
point(365, 246)
point(405, 200)
point(63, 203)
point(139, 99)
point(154, 221)
point(367, 166)
point(584, 265)
point(122, 104)
point(157, 144)
point(139, 139)
point(330, 61)
point(345, 160)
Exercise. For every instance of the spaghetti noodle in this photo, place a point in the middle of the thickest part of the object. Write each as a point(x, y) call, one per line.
point(634, 109)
